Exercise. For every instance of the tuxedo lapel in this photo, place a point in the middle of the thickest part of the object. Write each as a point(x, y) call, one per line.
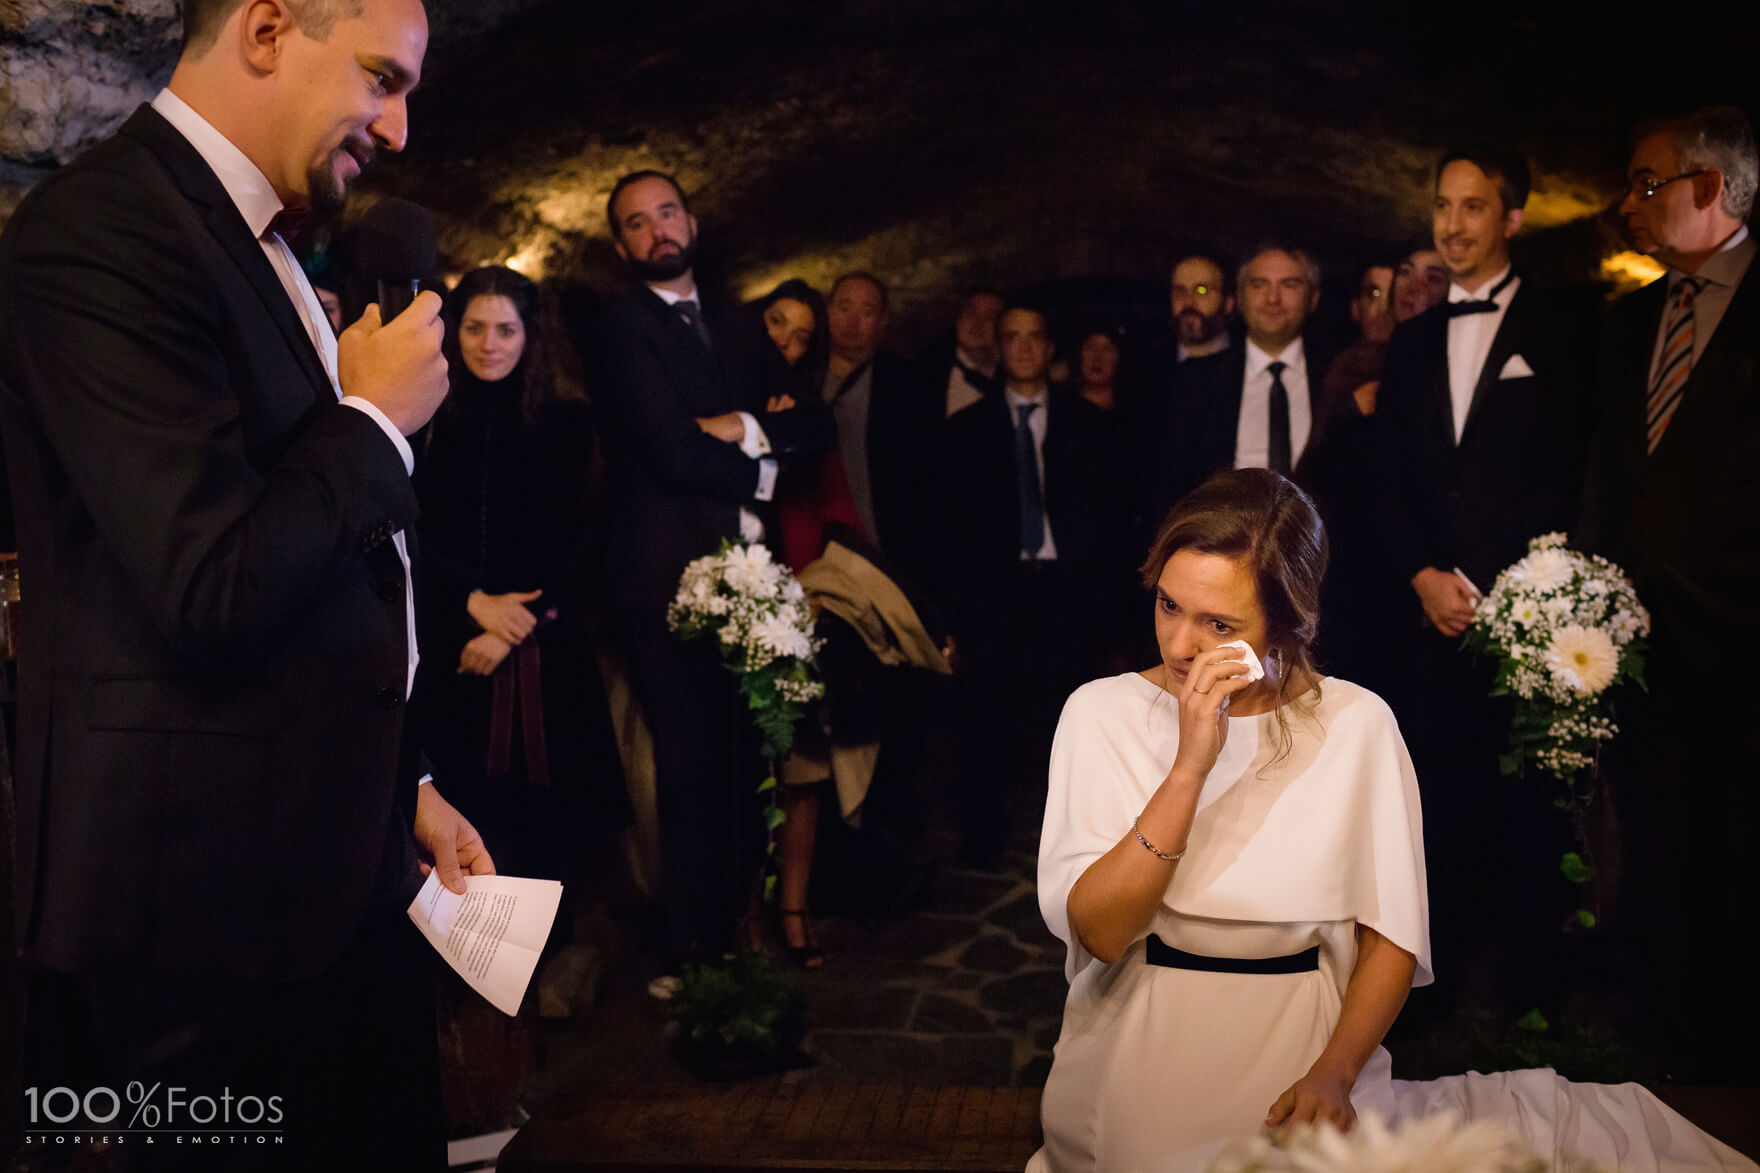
point(1435, 404)
point(1504, 346)
point(247, 253)
point(204, 189)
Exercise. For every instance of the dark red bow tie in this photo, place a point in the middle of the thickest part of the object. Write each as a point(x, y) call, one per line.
point(289, 223)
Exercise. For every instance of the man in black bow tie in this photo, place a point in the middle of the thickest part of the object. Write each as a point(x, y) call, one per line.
point(1480, 439)
point(683, 386)
point(216, 804)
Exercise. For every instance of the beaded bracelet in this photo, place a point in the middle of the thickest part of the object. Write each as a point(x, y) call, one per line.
point(1154, 850)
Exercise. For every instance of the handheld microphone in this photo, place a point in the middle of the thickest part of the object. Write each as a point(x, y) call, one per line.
point(395, 251)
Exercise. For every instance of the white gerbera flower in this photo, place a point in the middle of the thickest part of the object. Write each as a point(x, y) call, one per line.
point(1583, 658)
point(782, 638)
point(1547, 569)
point(750, 571)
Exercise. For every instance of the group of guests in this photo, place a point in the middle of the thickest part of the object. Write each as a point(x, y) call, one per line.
point(1008, 479)
point(1253, 859)
point(259, 545)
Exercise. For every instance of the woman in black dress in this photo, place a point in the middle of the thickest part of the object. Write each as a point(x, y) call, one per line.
point(513, 710)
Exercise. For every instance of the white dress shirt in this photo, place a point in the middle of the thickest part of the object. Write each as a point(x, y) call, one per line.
point(257, 202)
point(1252, 433)
point(1036, 424)
point(755, 444)
point(1469, 342)
point(1721, 274)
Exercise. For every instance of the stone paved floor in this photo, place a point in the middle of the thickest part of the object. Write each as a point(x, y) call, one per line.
point(966, 989)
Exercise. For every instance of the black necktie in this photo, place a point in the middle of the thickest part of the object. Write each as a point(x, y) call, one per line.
point(1277, 456)
point(1487, 305)
point(1026, 468)
point(693, 317)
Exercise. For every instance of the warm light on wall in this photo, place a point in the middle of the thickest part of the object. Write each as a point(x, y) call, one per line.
point(1561, 201)
point(1629, 270)
point(529, 260)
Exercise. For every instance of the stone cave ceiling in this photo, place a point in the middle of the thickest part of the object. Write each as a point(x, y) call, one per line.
point(942, 142)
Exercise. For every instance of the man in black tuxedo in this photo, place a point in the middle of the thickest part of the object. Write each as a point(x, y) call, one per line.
point(1026, 476)
point(962, 370)
point(887, 424)
point(214, 810)
point(1479, 435)
point(1673, 496)
point(1245, 406)
point(688, 464)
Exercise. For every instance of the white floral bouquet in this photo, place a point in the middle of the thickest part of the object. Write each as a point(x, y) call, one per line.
point(758, 613)
point(1428, 1144)
point(1564, 628)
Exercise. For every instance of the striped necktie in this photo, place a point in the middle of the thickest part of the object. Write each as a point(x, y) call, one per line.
point(1675, 365)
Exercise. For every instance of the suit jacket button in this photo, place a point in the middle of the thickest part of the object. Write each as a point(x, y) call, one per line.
point(390, 697)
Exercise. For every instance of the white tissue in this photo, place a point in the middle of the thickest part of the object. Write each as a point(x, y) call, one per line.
point(1255, 670)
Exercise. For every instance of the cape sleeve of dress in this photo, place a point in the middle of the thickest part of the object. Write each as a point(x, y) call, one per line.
point(1341, 840)
point(1091, 797)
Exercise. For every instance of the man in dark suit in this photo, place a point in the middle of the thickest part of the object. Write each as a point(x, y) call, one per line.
point(1245, 406)
point(1673, 496)
point(887, 424)
point(1026, 479)
point(1480, 437)
point(214, 811)
point(688, 464)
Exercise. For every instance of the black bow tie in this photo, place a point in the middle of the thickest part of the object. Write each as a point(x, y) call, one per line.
point(1487, 305)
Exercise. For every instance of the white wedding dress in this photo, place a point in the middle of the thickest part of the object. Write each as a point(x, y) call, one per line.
point(1159, 1068)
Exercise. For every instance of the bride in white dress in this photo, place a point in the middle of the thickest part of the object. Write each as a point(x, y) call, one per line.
point(1237, 867)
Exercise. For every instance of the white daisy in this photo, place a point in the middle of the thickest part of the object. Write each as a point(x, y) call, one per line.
point(1583, 658)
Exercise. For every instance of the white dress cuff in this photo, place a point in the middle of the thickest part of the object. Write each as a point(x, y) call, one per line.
point(756, 443)
point(766, 480)
point(386, 426)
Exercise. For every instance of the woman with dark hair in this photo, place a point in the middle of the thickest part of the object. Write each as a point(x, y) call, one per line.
point(1100, 355)
point(512, 705)
point(1233, 853)
point(808, 497)
point(794, 317)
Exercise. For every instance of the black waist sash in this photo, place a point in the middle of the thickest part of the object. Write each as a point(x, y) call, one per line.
point(1159, 952)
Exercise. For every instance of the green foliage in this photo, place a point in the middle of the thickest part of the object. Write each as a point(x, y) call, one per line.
point(746, 1001)
point(1533, 1022)
point(1575, 870)
point(1586, 918)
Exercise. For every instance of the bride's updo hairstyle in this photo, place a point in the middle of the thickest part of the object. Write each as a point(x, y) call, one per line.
point(1257, 515)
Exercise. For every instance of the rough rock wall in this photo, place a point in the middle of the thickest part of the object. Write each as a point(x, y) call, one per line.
point(72, 70)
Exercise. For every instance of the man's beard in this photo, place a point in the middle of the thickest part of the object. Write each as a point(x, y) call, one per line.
point(1196, 328)
point(326, 193)
point(669, 267)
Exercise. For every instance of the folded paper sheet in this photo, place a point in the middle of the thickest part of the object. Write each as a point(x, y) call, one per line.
point(492, 935)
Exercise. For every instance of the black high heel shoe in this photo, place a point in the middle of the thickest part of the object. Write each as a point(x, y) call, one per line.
point(809, 955)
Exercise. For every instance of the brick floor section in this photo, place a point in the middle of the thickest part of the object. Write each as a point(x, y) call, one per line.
point(773, 1124)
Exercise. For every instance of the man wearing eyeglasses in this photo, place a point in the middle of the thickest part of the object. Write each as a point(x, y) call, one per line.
point(1478, 447)
point(1673, 495)
point(1201, 303)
